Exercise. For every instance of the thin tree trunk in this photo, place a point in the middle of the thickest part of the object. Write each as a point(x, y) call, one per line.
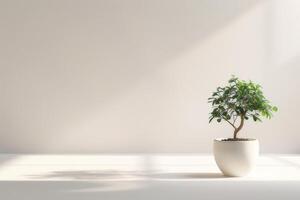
point(240, 127)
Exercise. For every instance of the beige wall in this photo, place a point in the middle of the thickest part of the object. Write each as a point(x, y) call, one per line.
point(89, 76)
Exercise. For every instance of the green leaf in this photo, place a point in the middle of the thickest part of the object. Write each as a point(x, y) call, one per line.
point(254, 118)
point(238, 98)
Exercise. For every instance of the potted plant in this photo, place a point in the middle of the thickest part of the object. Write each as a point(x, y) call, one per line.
point(235, 103)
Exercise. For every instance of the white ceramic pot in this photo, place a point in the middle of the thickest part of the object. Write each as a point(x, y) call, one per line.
point(236, 158)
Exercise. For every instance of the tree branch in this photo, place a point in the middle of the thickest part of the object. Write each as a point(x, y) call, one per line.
point(235, 118)
point(240, 126)
point(230, 123)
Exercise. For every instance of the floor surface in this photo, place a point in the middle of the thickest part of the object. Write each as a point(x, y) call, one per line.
point(168, 176)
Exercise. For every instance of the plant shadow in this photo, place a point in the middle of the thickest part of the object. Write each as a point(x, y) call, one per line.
point(89, 175)
point(125, 175)
point(196, 175)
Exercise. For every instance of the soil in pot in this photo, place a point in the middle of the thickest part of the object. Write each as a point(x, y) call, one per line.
point(237, 139)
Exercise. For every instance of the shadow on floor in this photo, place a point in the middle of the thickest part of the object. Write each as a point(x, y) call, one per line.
point(124, 175)
point(89, 175)
point(6, 158)
point(202, 175)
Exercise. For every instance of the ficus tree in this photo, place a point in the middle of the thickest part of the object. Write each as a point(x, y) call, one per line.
point(239, 101)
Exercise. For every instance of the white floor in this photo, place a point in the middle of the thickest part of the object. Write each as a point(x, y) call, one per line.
point(186, 176)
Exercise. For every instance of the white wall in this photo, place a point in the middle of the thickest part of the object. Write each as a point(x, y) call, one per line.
point(134, 75)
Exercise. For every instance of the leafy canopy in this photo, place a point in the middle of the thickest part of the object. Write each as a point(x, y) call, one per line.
point(241, 100)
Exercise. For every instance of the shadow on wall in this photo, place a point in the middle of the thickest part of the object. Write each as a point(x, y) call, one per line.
point(65, 64)
point(284, 87)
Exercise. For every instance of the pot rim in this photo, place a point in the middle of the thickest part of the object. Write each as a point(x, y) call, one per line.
point(241, 141)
